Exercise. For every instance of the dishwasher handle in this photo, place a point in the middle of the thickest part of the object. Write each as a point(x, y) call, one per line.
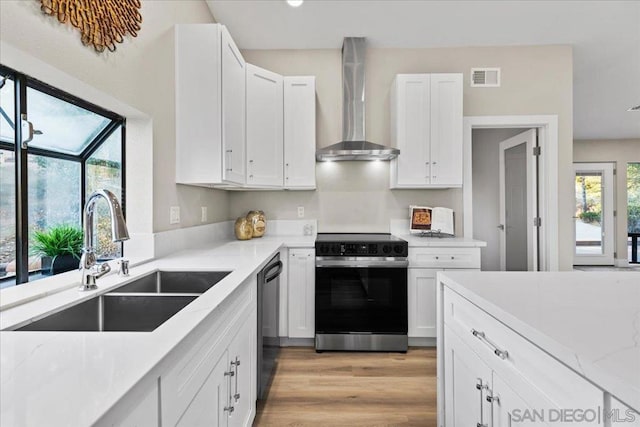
point(275, 266)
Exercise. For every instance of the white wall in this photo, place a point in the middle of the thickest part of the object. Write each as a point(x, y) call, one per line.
point(620, 152)
point(486, 191)
point(140, 74)
point(536, 80)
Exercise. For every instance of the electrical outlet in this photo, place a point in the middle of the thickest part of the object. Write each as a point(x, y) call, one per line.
point(204, 214)
point(174, 215)
point(300, 211)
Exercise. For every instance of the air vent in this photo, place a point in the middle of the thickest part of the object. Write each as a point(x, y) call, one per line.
point(485, 77)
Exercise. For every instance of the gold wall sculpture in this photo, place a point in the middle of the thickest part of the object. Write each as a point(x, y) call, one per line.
point(102, 23)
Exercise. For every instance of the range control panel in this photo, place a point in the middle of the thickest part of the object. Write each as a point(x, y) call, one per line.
point(397, 248)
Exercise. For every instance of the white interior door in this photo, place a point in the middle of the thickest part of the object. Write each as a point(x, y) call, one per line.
point(518, 203)
point(594, 227)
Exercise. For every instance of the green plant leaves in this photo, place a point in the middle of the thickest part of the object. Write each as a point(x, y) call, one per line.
point(57, 240)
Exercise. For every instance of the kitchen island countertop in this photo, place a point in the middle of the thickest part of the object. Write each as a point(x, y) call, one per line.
point(588, 321)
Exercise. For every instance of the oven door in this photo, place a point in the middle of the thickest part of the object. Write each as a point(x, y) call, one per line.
point(361, 295)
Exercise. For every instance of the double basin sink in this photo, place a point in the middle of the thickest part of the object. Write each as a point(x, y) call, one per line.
point(138, 306)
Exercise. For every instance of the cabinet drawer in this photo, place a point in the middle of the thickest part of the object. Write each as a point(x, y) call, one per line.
point(182, 381)
point(560, 386)
point(444, 257)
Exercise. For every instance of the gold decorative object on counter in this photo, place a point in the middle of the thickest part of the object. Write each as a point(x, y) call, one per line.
point(243, 229)
point(258, 223)
point(102, 23)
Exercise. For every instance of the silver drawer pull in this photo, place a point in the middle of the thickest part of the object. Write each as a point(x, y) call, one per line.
point(228, 408)
point(502, 354)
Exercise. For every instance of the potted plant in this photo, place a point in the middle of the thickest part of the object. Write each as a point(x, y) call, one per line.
point(59, 248)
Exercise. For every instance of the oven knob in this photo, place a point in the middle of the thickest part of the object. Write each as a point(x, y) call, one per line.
point(324, 249)
point(335, 249)
point(398, 249)
point(386, 249)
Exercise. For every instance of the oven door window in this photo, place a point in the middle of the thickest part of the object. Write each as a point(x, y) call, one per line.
point(361, 300)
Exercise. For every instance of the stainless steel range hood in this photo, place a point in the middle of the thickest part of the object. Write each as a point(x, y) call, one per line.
point(354, 146)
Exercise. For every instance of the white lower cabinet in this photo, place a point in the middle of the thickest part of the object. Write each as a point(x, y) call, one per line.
point(424, 264)
point(301, 284)
point(493, 377)
point(421, 289)
point(210, 405)
point(212, 377)
point(466, 377)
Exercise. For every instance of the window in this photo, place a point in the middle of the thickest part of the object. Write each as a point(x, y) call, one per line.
point(70, 149)
point(633, 211)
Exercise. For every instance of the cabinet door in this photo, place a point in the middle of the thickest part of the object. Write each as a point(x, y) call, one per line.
point(510, 409)
point(301, 293)
point(446, 129)
point(467, 379)
point(422, 302)
point(242, 361)
point(264, 127)
point(233, 110)
point(198, 104)
point(300, 132)
point(210, 406)
point(410, 124)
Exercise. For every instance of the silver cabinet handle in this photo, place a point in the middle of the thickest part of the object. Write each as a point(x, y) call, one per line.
point(493, 398)
point(480, 386)
point(235, 364)
point(502, 354)
point(229, 154)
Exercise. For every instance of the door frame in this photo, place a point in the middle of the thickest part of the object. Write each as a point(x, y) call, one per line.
point(547, 126)
point(532, 198)
point(609, 203)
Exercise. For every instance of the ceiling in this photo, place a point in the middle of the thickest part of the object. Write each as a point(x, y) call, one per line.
point(605, 36)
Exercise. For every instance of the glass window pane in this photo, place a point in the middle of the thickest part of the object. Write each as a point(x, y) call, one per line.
point(7, 215)
point(54, 197)
point(633, 211)
point(7, 110)
point(588, 186)
point(104, 171)
point(66, 128)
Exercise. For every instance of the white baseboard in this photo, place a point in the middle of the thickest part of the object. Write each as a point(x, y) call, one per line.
point(422, 342)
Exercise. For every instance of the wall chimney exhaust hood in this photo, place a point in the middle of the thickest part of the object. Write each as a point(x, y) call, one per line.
point(354, 146)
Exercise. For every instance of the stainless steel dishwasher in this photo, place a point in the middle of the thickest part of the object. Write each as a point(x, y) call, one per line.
point(268, 310)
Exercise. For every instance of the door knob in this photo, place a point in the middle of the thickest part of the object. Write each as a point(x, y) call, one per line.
point(501, 227)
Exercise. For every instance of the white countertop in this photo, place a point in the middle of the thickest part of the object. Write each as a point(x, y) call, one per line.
point(417, 241)
point(588, 321)
point(73, 378)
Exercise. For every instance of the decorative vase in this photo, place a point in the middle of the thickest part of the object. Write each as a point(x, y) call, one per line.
point(243, 229)
point(64, 263)
point(258, 223)
point(45, 265)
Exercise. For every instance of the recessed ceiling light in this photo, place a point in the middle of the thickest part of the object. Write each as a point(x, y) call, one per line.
point(636, 108)
point(295, 3)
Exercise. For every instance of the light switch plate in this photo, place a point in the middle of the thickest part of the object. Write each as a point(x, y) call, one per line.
point(204, 214)
point(174, 215)
point(300, 211)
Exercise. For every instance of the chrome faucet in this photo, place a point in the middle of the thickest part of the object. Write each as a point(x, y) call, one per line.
point(89, 267)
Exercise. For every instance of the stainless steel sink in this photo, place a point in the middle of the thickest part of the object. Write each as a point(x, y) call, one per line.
point(174, 282)
point(137, 313)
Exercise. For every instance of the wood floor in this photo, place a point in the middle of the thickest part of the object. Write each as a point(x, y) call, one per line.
point(351, 389)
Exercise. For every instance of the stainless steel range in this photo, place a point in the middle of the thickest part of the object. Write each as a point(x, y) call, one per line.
point(361, 292)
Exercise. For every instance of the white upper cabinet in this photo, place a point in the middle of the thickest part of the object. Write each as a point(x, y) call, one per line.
point(446, 129)
point(426, 125)
point(210, 114)
point(233, 110)
point(264, 128)
point(300, 133)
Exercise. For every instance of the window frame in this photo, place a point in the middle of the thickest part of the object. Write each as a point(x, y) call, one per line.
point(21, 152)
